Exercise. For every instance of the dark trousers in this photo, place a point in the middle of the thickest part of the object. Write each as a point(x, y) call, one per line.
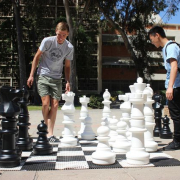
point(174, 110)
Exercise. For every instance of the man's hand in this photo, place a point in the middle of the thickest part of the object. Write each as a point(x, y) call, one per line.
point(30, 81)
point(169, 93)
point(67, 87)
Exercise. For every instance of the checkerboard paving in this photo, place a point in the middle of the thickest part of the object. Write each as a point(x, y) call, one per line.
point(79, 157)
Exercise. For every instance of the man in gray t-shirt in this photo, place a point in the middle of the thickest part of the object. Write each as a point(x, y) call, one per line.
point(51, 54)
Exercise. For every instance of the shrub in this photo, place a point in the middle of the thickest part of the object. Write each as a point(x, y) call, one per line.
point(163, 94)
point(95, 101)
point(114, 95)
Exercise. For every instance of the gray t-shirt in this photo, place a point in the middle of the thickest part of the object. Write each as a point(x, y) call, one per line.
point(51, 63)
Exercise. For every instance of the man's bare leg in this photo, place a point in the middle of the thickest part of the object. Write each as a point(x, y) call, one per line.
point(45, 108)
point(52, 116)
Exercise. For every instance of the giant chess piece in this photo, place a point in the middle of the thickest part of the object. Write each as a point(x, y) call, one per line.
point(150, 144)
point(137, 153)
point(157, 106)
point(24, 142)
point(103, 154)
point(106, 102)
point(10, 156)
point(83, 113)
point(122, 144)
point(68, 109)
point(88, 133)
point(125, 107)
point(42, 146)
point(165, 132)
point(113, 127)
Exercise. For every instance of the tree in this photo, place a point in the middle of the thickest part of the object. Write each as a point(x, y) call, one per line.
point(72, 35)
point(132, 17)
point(22, 63)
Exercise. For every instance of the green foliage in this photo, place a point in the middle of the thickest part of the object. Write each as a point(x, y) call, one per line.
point(114, 95)
point(133, 17)
point(84, 50)
point(163, 94)
point(38, 21)
point(95, 101)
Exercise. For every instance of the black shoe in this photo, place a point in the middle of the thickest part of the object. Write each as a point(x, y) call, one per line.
point(53, 139)
point(172, 146)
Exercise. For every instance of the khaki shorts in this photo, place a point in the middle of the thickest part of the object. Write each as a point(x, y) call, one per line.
point(49, 86)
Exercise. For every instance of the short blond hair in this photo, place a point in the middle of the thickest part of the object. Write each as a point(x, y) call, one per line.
point(62, 26)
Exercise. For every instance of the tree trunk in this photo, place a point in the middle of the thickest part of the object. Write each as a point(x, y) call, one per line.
point(71, 39)
point(22, 64)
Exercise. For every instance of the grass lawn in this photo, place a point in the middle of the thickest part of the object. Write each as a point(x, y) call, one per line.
point(34, 108)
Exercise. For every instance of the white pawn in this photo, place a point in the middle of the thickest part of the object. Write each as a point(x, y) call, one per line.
point(83, 113)
point(112, 126)
point(88, 133)
point(103, 154)
point(121, 145)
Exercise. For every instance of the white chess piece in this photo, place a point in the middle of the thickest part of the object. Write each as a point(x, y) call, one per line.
point(88, 133)
point(137, 153)
point(112, 126)
point(103, 154)
point(121, 145)
point(68, 109)
point(150, 144)
point(125, 107)
point(83, 113)
point(106, 102)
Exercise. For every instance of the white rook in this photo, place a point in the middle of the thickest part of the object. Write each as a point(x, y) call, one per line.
point(68, 109)
point(125, 107)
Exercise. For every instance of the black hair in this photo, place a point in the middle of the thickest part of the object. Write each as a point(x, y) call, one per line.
point(157, 29)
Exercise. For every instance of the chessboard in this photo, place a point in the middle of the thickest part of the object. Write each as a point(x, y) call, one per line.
point(79, 157)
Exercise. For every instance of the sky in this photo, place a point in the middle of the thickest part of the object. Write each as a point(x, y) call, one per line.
point(173, 20)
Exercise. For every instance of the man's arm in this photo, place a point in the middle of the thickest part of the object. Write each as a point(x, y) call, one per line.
point(33, 67)
point(173, 74)
point(67, 74)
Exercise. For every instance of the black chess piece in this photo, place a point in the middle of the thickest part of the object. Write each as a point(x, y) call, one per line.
point(10, 155)
point(157, 106)
point(24, 142)
point(42, 146)
point(166, 131)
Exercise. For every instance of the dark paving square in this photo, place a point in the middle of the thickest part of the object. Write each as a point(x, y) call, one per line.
point(38, 166)
point(95, 166)
point(70, 158)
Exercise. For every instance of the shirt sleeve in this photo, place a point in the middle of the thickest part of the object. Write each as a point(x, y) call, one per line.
point(45, 45)
point(172, 52)
point(69, 56)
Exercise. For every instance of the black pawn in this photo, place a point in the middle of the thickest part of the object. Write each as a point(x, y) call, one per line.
point(166, 131)
point(157, 106)
point(24, 142)
point(42, 146)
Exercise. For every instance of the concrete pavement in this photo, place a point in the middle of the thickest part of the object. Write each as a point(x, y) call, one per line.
point(148, 173)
